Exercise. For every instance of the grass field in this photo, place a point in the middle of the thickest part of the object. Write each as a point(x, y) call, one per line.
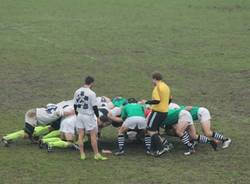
point(201, 47)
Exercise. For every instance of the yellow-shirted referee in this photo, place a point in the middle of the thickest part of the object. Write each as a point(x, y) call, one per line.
point(159, 102)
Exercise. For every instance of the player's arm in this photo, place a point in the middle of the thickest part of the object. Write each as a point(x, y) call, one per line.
point(114, 118)
point(95, 108)
point(153, 102)
point(163, 92)
point(75, 104)
point(124, 113)
point(96, 111)
point(156, 98)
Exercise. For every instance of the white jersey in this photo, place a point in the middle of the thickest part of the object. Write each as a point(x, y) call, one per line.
point(47, 115)
point(104, 102)
point(85, 99)
point(101, 102)
point(65, 104)
point(53, 112)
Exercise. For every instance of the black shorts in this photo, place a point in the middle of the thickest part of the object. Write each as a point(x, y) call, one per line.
point(155, 120)
point(56, 124)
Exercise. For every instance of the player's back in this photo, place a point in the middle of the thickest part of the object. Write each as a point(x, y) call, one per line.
point(173, 116)
point(134, 109)
point(162, 93)
point(85, 99)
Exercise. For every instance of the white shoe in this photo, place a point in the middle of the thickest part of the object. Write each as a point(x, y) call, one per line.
point(5, 142)
point(226, 143)
point(161, 152)
point(189, 152)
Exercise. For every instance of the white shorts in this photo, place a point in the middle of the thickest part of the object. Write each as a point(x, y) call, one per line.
point(186, 116)
point(203, 115)
point(68, 125)
point(136, 121)
point(116, 111)
point(44, 118)
point(87, 122)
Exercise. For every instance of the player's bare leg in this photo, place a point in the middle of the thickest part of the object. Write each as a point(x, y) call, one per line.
point(94, 144)
point(80, 143)
point(93, 137)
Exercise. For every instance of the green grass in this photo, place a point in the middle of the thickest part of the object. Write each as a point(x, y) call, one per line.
point(201, 47)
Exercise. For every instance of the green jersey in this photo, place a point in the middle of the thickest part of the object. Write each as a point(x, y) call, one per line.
point(193, 112)
point(173, 117)
point(118, 102)
point(132, 109)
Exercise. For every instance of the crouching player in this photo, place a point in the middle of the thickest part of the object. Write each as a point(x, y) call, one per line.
point(38, 116)
point(66, 138)
point(202, 115)
point(132, 117)
point(182, 122)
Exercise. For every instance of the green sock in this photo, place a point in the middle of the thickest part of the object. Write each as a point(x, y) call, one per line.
point(55, 133)
point(52, 139)
point(60, 144)
point(41, 130)
point(15, 135)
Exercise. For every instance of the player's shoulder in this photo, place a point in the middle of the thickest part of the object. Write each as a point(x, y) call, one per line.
point(163, 86)
point(79, 90)
point(91, 92)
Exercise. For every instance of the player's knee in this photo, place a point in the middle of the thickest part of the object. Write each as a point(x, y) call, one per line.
point(208, 133)
point(179, 132)
point(193, 136)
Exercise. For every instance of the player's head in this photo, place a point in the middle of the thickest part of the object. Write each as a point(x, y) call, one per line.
point(156, 76)
point(104, 119)
point(89, 81)
point(132, 100)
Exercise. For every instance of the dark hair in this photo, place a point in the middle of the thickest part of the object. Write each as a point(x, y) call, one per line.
point(132, 100)
point(89, 80)
point(156, 76)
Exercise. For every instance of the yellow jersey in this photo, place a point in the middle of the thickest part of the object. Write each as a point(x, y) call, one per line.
point(161, 92)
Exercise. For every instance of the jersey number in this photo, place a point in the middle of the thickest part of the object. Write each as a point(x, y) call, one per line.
point(82, 101)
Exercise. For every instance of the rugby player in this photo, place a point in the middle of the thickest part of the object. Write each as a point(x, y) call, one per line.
point(132, 117)
point(202, 115)
point(67, 133)
point(39, 116)
point(182, 122)
point(159, 102)
point(85, 105)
